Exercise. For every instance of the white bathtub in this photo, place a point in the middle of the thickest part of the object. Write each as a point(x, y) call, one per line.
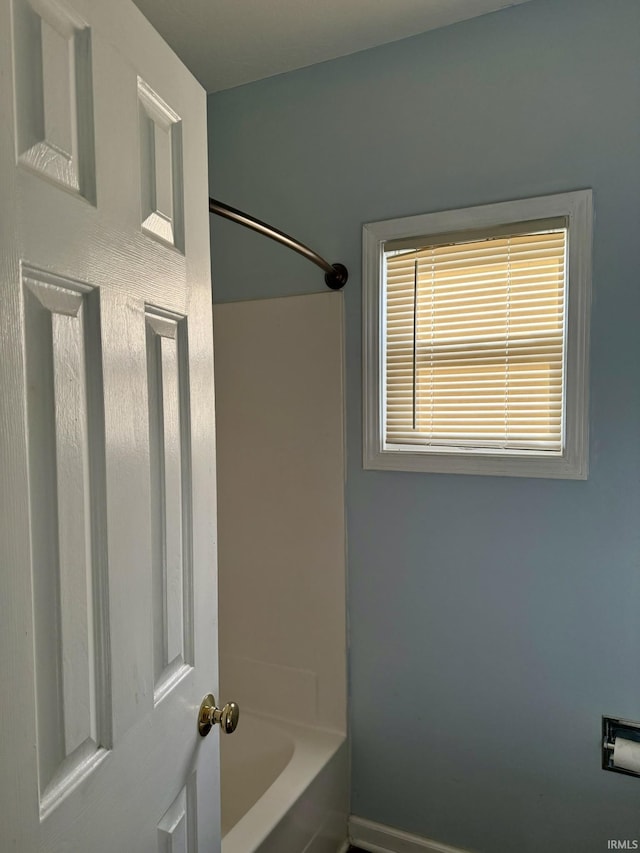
point(284, 788)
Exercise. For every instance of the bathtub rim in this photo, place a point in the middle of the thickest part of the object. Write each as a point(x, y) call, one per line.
point(314, 747)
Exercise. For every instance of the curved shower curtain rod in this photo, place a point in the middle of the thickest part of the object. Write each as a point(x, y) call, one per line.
point(335, 275)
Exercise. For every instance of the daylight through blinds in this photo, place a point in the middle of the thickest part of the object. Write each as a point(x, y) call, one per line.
point(474, 349)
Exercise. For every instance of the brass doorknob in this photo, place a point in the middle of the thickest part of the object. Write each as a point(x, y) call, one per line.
point(209, 715)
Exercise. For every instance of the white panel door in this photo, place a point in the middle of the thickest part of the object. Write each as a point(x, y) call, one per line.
point(108, 611)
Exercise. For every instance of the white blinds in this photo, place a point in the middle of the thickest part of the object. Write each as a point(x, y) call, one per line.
point(474, 349)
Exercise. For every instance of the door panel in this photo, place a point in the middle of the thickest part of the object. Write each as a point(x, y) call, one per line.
point(54, 94)
point(65, 423)
point(161, 183)
point(168, 388)
point(108, 612)
point(177, 831)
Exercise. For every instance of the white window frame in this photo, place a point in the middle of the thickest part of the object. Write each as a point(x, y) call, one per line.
point(572, 463)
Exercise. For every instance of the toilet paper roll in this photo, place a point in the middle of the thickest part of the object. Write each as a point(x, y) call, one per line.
point(626, 754)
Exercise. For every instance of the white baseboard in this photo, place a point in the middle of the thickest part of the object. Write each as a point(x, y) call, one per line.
point(377, 838)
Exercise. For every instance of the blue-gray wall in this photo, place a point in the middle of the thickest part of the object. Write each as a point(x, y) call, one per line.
point(493, 620)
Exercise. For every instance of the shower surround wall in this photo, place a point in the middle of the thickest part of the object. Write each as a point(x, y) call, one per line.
point(280, 417)
point(497, 617)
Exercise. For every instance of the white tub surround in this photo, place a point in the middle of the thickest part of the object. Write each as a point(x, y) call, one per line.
point(281, 464)
point(280, 431)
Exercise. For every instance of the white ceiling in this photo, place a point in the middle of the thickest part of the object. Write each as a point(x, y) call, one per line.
point(229, 42)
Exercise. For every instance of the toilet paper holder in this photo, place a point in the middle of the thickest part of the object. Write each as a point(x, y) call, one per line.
point(613, 728)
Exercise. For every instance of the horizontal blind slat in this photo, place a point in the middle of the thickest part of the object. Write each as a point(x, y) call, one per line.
point(474, 337)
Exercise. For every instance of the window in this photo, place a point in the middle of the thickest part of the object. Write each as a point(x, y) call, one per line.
point(476, 339)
